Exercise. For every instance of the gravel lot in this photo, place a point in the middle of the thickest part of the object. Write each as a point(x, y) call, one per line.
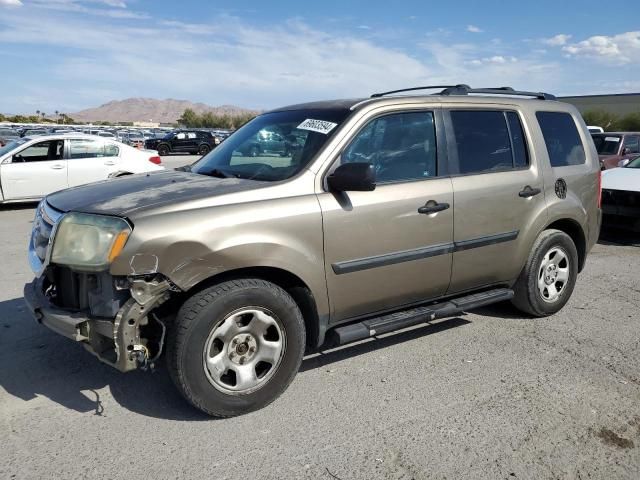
point(485, 395)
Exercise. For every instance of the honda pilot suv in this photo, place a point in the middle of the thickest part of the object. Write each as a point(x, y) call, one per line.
point(395, 210)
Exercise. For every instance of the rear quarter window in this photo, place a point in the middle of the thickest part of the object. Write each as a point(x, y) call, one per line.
point(561, 138)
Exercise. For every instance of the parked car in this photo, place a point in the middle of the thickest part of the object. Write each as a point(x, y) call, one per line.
point(32, 167)
point(266, 142)
point(32, 132)
point(621, 195)
point(7, 135)
point(238, 264)
point(614, 147)
point(183, 141)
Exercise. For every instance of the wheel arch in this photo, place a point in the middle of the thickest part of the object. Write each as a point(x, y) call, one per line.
point(291, 283)
point(576, 232)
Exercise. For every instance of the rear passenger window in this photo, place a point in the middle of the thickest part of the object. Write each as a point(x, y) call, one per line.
point(561, 138)
point(488, 141)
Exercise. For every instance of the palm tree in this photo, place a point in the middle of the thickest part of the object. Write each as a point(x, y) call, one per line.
point(57, 115)
point(38, 112)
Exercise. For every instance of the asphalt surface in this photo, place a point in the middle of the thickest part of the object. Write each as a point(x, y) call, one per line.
point(484, 395)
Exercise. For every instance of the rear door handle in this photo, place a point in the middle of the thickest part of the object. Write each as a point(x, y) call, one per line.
point(57, 166)
point(109, 162)
point(433, 207)
point(528, 192)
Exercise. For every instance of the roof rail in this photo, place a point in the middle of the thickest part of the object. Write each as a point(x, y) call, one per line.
point(462, 89)
point(465, 90)
point(413, 89)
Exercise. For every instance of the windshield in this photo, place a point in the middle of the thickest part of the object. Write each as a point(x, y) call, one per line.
point(634, 163)
point(11, 145)
point(273, 146)
point(607, 144)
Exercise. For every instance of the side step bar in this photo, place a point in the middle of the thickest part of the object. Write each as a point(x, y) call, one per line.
point(407, 318)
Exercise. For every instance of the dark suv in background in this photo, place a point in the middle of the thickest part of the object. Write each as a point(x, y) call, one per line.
point(183, 141)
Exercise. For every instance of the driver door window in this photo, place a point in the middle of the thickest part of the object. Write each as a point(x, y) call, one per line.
point(401, 147)
point(42, 151)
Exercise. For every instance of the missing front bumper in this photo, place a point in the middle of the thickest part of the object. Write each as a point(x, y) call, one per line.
point(117, 342)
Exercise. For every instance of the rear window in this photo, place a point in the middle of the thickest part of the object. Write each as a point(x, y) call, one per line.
point(561, 138)
point(488, 141)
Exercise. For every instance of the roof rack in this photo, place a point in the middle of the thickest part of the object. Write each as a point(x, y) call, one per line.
point(463, 89)
point(413, 89)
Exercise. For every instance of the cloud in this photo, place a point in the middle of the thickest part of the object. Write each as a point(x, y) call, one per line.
point(10, 3)
point(494, 60)
point(113, 3)
point(557, 40)
point(623, 48)
point(474, 29)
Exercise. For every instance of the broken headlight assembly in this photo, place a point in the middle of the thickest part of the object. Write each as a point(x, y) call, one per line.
point(89, 242)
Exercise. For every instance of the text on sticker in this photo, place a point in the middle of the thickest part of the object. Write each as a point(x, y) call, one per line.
point(612, 139)
point(320, 126)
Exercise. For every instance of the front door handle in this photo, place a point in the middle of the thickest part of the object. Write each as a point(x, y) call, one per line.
point(109, 162)
point(528, 192)
point(433, 207)
point(57, 166)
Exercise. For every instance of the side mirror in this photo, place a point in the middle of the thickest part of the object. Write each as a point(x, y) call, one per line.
point(625, 151)
point(355, 177)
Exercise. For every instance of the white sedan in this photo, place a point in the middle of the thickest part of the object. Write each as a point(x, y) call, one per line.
point(31, 168)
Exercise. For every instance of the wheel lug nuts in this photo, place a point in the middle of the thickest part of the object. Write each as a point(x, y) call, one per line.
point(242, 360)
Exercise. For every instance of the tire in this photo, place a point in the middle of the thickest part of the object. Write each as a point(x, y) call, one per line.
point(549, 276)
point(206, 364)
point(203, 149)
point(163, 150)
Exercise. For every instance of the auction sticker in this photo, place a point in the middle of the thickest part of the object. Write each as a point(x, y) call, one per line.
point(606, 139)
point(320, 126)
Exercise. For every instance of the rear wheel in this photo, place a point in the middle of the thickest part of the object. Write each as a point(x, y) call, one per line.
point(203, 149)
point(549, 277)
point(236, 346)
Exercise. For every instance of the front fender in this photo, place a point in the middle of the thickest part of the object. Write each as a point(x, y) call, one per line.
point(190, 246)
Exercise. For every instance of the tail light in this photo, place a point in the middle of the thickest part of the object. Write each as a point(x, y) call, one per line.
point(157, 160)
point(599, 188)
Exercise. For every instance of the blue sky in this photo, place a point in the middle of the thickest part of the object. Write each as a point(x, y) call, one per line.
point(68, 55)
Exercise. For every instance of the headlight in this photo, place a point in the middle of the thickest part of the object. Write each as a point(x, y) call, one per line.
point(89, 242)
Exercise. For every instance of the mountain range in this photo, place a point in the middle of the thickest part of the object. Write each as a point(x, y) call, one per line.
point(150, 110)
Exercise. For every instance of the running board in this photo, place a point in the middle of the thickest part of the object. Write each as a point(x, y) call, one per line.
point(414, 316)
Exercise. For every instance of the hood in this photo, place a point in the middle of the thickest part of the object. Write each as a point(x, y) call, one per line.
point(627, 179)
point(122, 196)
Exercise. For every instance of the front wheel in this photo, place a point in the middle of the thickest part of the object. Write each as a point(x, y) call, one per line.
point(549, 276)
point(236, 346)
point(163, 150)
point(203, 149)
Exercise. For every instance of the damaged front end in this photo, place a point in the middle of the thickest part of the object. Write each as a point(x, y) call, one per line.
point(117, 318)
